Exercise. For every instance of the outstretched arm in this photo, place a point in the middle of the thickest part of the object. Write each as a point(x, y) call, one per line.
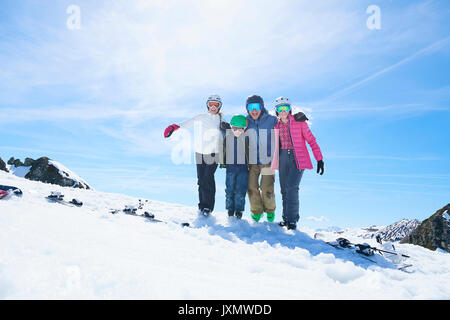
point(185, 124)
point(191, 122)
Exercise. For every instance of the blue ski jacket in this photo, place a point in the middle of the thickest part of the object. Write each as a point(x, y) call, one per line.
point(263, 126)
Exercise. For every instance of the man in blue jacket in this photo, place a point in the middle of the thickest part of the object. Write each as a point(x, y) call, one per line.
point(260, 126)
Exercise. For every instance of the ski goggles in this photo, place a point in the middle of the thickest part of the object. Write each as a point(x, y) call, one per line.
point(283, 107)
point(213, 104)
point(254, 106)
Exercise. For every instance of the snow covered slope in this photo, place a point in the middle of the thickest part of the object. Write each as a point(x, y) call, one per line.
point(50, 250)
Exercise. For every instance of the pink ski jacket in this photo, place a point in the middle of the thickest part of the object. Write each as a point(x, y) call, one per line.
point(299, 133)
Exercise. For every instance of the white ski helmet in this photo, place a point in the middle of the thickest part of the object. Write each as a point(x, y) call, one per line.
point(214, 97)
point(281, 100)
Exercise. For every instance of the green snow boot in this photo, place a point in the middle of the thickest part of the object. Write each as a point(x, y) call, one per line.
point(270, 216)
point(256, 217)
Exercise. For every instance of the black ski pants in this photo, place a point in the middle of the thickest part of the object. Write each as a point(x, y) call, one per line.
point(290, 178)
point(205, 180)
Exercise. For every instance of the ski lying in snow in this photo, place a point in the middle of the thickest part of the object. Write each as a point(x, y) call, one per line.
point(366, 251)
point(336, 245)
point(58, 197)
point(132, 211)
point(6, 191)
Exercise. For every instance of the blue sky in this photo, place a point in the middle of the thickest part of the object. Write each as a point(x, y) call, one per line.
point(98, 98)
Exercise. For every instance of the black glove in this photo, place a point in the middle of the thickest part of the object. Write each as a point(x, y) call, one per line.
point(300, 117)
point(320, 167)
point(224, 126)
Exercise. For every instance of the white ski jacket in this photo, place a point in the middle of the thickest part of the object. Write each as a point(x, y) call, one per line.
point(206, 132)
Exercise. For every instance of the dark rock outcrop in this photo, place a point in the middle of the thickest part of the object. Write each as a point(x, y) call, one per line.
point(3, 165)
point(44, 170)
point(15, 162)
point(29, 162)
point(434, 232)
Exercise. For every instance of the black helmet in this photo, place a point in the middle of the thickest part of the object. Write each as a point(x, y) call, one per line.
point(255, 99)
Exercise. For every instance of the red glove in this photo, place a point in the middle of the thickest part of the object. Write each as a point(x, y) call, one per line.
point(170, 129)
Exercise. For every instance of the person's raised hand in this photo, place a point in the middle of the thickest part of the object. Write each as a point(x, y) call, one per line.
point(171, 129)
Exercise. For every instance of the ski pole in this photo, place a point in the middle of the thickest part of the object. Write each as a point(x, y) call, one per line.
point(399, 254)
point(380, 250)
point(344, 242)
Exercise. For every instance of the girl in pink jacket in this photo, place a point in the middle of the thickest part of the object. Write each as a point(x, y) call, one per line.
point(291, 158)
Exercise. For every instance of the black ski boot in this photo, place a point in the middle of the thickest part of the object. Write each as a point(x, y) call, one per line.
point(230, 213)
point(239, 215)
point(291, 226)
point(206, 212)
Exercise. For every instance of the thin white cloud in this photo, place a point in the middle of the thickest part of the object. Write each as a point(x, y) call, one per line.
point(406, 176)
point(367, 182)
point(318, 219)
point(49, 152)
point(85, 112)
point(392, 109)
point(435, 46)
point(384, 157)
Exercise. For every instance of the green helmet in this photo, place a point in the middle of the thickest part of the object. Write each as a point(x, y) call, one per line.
point(239, 121)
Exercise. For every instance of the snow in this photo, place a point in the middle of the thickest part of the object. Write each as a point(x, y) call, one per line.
point(53, 251)
point(19, 171)
point(446, 216)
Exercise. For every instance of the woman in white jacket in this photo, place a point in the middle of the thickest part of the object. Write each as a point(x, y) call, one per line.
point(206, 145)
